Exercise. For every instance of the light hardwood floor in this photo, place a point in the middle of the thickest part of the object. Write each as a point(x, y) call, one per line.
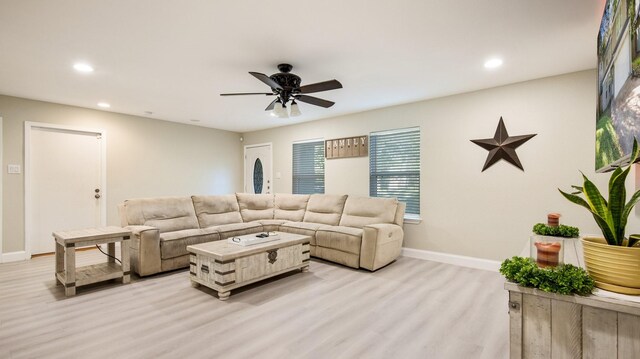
point(410, 309)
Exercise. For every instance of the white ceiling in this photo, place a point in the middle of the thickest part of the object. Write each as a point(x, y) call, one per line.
point(174, 57)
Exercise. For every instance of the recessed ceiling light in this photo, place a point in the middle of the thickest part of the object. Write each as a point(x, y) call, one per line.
point(148, 113)
point(194, 120)
point(103, 105)
point(83, 67)
point(493, 63)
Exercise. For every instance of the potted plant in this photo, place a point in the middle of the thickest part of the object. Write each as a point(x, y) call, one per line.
point(613, 261)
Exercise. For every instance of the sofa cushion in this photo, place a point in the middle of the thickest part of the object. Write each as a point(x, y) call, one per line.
point(336, 256)
point(255, 206)
point(360, 211)
point(304, 228)
point(216, 210)
point(168, 214)
point(175, 263)
point(271, 222)
point(174, 244)
point(270, 225)
point(237, 229)
point(324, 209)
point(345, 239)
point(290, 206)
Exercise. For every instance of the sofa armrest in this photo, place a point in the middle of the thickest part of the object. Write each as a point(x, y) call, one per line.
point(145, 249)
point(381, 245)
point(122, 213)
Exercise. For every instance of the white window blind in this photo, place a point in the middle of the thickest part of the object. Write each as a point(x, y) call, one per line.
point(308, 167)
point(394, 166)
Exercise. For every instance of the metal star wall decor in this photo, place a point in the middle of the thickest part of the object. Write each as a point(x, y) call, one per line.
point(502, 147)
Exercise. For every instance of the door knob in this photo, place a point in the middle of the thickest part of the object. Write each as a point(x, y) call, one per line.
point(97, 196)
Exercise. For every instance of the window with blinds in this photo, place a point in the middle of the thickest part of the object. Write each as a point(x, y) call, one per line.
point(308, 167)
point(394, 166)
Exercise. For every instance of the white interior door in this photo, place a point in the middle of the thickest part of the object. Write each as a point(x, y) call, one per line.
point(66, 189)
point(257, 169)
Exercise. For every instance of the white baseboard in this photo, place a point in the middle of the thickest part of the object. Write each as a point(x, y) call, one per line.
point(14, 256)
point(463, 261)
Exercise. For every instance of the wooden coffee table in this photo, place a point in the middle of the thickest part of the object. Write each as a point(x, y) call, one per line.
point(223, 266)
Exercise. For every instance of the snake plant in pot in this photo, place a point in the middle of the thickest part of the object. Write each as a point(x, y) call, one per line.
point(613, 261)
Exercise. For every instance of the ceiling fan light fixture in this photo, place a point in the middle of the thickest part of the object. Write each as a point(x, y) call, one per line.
point(277, 109)
point(295, 110)
point(283, 112)
point(286, 86)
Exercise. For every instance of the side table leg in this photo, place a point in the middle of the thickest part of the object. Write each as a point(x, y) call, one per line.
point(305, 268)
point(70, 269)
point(59, 261)
point(124, 257)
point(111, 250)
point(223, 295)
point(195, 284)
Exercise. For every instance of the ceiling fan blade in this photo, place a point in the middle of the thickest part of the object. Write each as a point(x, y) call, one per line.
point(266, 79)
point(247, 93)
point(315, 101)
point(270, 107)
point(321, 86)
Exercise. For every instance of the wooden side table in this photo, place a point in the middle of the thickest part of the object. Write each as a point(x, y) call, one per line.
point(67, 241)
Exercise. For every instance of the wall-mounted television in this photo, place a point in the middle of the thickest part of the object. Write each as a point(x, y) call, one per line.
point(618, 109)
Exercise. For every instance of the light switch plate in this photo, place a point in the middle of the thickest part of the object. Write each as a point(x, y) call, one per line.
point(278, 175)
point(13, 169)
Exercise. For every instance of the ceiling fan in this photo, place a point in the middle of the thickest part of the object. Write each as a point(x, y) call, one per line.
point(286, 86)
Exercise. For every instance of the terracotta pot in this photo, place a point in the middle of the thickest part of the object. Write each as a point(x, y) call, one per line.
point(548, 254)
point(614, 268)
point(547, 251)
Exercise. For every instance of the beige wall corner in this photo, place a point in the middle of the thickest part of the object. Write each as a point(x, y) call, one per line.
point(145, 158)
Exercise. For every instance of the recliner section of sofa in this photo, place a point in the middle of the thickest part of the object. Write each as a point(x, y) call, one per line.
point(343, 243)
point(162, 230)
point(359, 232)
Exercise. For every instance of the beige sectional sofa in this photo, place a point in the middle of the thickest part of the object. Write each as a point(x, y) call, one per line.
point(359, 232)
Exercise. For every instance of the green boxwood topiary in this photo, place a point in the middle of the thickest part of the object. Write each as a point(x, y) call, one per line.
point(565, 279)
point(559, 231)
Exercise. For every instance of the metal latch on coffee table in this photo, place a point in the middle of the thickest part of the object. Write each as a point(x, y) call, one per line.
point(272, 255)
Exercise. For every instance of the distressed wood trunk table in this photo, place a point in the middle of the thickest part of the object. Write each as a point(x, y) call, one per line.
point(548, 325)
point(223, 266)
point(67, 241)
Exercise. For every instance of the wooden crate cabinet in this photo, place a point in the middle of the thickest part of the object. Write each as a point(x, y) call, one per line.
point(547, 325)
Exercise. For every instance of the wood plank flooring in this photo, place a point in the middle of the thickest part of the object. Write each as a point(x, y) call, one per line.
point(410, 309)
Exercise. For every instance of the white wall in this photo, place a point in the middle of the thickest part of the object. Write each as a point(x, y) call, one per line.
point(145, 158)
point(465, 211)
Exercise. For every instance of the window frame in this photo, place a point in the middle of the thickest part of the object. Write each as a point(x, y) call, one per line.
point(408, 217)
point(321, 143)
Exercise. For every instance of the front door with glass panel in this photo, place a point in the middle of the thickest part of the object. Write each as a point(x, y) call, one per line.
point(257, 164)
